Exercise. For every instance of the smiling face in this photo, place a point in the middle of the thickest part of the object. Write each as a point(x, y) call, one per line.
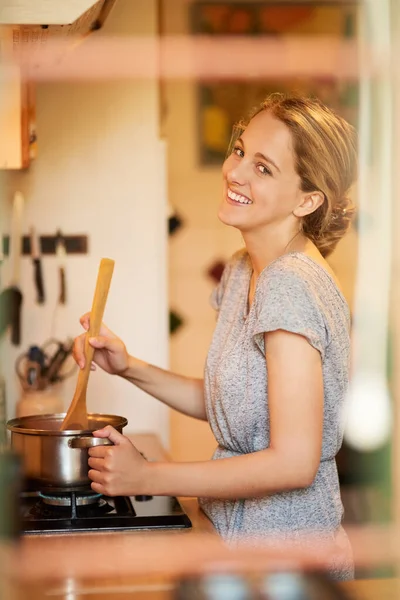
point(261, 186)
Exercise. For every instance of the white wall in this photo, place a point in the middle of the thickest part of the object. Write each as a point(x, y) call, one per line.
point(100, 171)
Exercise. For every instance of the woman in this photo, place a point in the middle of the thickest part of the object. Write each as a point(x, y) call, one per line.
point(277, 370)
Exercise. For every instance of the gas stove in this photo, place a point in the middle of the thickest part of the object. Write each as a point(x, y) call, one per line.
point(57, 512)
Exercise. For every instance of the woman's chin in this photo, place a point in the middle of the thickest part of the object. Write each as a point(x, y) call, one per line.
point(227, 217)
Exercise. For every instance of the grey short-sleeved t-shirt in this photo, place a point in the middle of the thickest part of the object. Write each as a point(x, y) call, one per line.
point(295, 294)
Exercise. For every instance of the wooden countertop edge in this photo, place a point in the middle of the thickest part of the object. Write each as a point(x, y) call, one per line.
point(153, 552)
point(126, 560)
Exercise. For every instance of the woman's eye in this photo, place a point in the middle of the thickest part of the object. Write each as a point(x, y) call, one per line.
point(263, 169)
point(238, 151)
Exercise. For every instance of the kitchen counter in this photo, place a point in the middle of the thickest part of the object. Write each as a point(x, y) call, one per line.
point(146, 564)
point(163, 589)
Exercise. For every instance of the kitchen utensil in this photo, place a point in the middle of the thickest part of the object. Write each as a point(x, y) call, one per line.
point(29, 368)
point(3, 404)
point(15, 256)
point(37, 266)
point(53, 371)
point(53, 458)
point(3, 311)
point(38, 368)
point(3, 412)
point(60, 254)
point(11, 297)
point(76, 417)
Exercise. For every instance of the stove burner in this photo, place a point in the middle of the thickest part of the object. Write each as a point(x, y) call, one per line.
point(66, 512)
point(71, 505)
point(65, 499)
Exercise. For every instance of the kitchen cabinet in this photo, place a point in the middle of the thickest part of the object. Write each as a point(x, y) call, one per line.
point(27, 30)
point(17, 119)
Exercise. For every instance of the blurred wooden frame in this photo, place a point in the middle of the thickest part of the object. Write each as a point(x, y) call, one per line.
point(221, 104)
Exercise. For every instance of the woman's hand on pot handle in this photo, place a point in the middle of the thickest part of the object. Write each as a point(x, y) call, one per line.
point(118, 470)
point(110, 351)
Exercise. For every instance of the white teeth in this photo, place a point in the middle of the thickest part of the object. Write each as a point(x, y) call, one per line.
point(238, 198)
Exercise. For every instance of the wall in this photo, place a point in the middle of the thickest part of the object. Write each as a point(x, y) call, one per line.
point(194, 193)
point(98, 153)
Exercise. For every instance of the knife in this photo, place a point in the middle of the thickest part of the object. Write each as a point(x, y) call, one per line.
point(37, 266)
point(60, 254)
point(14, 292)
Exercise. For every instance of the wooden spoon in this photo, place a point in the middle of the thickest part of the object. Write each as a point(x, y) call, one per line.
point(76, 417)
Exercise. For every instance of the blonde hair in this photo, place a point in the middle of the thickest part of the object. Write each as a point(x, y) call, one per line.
point(325, 148)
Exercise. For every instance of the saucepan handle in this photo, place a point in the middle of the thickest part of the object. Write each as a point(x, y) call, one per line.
point(88, 442)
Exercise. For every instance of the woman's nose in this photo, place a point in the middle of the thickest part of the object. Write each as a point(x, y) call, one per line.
point(237, 174)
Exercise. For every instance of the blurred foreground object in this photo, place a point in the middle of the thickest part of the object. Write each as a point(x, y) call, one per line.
point(368, 421)
point(270, 586)
point(10, 487)
point(10, 483)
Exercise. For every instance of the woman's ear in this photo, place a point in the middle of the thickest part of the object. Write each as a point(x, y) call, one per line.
point(310, 202)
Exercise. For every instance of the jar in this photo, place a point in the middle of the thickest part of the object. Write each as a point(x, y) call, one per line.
point(39, 402)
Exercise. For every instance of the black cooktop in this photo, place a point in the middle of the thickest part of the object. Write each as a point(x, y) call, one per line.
point(47, 513)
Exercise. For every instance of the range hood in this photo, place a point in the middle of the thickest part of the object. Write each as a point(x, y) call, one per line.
point(50, 12)
point(30, 24)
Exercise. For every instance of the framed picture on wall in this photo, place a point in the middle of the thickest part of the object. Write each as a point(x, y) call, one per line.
point(221, 104)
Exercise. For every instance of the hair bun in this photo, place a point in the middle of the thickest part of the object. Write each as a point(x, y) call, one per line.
point(340, 220)
point(344, 209)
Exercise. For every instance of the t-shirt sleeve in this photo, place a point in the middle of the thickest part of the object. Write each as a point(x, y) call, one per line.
point(285, 301)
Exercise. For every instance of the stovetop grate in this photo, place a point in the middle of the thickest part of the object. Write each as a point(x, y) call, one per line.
point(108, 514)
